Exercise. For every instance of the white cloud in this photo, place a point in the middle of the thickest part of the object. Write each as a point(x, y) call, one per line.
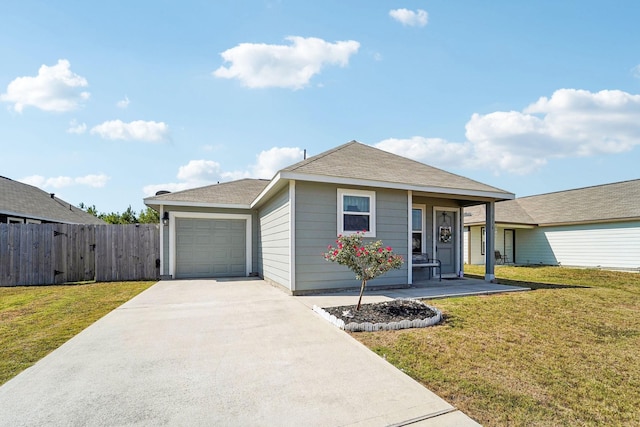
point(77, 128)
point(55, 88)
point(95, 181)
point(198, 173)
point(271, 161)
point(409, 18)
point(433, 151)
point(152, 189)
point(287, 66)
point(123, 103)
point(571, 123)
point(138, 130)
point(635, 71)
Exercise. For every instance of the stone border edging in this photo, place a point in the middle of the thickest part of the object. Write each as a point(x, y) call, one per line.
point(371, 327)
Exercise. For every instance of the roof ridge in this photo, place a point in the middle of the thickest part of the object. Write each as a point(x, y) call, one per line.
point(319, 156)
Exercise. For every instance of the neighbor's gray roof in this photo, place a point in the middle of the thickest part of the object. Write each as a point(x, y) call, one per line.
point(355, 160)
point(609, 202)
point(23, 200)
point(241, 192)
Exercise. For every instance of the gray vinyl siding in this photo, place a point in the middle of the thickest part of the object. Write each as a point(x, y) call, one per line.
point(316, 227)
point(254, 230)
point(274, 239)
point(610, 245)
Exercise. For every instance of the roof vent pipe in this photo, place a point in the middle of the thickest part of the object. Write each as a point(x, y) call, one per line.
point(52, 195)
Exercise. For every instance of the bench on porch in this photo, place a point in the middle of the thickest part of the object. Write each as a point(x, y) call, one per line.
point(422, 260)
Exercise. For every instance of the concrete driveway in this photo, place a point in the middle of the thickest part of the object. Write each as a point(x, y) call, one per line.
point(207, 352)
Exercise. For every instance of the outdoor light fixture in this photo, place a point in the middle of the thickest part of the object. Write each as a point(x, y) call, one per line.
point(165, 218)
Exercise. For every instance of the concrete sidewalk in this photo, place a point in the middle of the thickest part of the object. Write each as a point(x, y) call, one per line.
point(203, 353)
point(432, 289)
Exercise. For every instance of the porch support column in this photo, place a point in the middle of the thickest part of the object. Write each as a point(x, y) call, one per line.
point(410, 237)
point(489, 253)
point(460, 269)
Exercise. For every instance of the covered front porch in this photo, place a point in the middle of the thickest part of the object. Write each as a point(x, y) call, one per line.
point(437, 235)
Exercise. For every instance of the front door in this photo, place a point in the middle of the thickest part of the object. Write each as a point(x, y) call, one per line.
point(446, 239)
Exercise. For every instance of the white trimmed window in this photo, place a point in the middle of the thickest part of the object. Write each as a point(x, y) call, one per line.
point(356, 212)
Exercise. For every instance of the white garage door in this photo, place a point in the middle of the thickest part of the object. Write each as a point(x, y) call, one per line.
point(210, 247)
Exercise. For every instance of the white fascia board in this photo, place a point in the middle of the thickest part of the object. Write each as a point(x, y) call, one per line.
point(502, 225)
point(195, 204)
point(274, 182)
point(396, 186)
point(594, 221)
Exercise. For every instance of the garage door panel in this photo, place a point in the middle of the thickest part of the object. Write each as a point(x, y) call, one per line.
point(210, 247)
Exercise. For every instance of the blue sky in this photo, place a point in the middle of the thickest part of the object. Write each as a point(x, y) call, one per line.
point(106, 103)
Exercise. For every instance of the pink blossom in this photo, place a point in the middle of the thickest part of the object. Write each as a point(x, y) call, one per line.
point(389, 248)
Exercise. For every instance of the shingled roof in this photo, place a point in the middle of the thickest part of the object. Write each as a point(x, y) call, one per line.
point(609, 202)
point(241, 192)
point(355, 160)
point(26, 201)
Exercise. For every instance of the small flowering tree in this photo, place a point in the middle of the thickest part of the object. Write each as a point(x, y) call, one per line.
point(366, 261)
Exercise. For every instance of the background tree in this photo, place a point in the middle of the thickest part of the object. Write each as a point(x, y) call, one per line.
point(147, 216)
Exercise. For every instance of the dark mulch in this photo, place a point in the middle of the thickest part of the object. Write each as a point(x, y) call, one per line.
point(383, 312)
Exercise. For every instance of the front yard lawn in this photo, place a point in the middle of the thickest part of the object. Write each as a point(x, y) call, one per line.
point(35, 320)
point(558, 355)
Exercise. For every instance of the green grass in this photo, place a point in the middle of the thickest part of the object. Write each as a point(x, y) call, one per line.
point(567, 353)
point(35, 320)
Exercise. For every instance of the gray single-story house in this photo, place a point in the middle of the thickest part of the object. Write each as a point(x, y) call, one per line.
point(25, 204)
point(595, 226)
point(278, 229)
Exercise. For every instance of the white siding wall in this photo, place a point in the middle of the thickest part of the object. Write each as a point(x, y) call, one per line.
point(274, 239)
point(613, 245)
point(476, 244)
point(465, 245)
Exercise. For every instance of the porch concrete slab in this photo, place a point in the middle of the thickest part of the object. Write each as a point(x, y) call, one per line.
point(206, 352)
point(432, 289)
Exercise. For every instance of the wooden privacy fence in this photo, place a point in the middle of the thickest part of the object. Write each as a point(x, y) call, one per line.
point(47, 254)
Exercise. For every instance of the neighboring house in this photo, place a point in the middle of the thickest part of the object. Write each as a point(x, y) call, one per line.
point(22, 203)
point(587, 227)
point(279, 229)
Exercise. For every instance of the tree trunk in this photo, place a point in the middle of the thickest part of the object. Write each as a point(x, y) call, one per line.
point(364, 283)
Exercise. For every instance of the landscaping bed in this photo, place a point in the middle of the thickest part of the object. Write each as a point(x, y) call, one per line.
point(388, 315)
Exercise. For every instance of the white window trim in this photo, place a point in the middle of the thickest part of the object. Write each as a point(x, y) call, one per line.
point(14, 220)
point(423, 208)
point(372, 214)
